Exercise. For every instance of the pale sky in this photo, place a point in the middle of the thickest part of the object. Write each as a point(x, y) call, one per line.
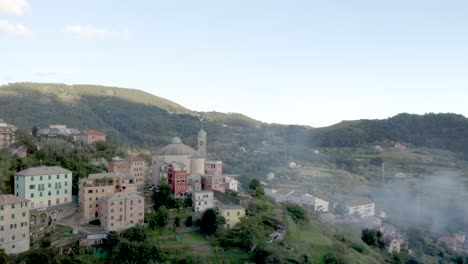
point(305, 62)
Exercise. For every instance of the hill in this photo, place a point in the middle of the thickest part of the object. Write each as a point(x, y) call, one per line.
point(140, 119)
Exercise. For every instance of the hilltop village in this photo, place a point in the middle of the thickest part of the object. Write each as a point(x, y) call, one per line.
point(122, 194)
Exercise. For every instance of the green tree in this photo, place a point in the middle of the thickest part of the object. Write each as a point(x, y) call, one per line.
point(177, 221)
point(210, 221)
point(297, 213)
point(256, 189)
point(3, 256)
point(189, 221)
point(25, 138)
point(163, 196)
point(161, 218)
point(137, 233)
point(373, 238)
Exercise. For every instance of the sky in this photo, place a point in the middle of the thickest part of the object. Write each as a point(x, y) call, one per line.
point(309, 62)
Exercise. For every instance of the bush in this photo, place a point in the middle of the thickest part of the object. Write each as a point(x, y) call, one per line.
point(297, 213)
point(188, 221)
point(96, 222)
point(333, 258)
point(177, 221)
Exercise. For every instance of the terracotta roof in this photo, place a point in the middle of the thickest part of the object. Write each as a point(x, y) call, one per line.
point(136, 159)
point(92, 132)
point(42, 171)
point(359, 202)
point(110, 175)
point(11, 199)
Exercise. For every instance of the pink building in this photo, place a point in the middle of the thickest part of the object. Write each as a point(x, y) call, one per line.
point(139, 170)
point(213, 167)
point(213, 183)
point(121, 211)
point(89, 137)
point(119, 166)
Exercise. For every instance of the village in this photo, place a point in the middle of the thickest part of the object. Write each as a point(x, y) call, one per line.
point(119, 197)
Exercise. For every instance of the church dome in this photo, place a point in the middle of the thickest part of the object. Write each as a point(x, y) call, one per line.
point(176, 148)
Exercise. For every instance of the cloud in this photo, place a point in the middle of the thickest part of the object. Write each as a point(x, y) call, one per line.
point(90, 33)
point(59, 72)
point(14, 29)
point(15, 7)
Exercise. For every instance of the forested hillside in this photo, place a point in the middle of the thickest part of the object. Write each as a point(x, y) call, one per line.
point(137, 118)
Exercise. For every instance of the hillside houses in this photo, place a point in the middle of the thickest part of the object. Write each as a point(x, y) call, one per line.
point(361, 206)
point(308, 201)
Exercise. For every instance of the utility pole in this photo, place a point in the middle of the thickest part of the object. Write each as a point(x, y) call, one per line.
point(383, 172)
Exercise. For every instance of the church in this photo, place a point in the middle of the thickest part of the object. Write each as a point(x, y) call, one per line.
point(177, 151)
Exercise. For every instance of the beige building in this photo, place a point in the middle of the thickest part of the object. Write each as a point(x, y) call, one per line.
point(202, 200)
point(7, 135)
point(14, 227)
point(214, 167)
point(100, 185)
point(362, 206)
point(121, 211)
point(177, 151)
point(232, 214)
point(44, 186)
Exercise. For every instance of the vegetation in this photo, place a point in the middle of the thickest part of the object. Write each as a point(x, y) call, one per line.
point(211, 221)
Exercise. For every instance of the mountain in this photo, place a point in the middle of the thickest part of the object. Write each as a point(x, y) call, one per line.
point(141, 119)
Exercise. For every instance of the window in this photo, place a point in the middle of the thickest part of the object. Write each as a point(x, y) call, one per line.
point(50, 193)
point(1, 218)
point(32, 187)
point(66, 191)
point(238, 213)
point(66, 176)
point(32, 178)
point(58, 192)
point(90, 206)
point(112, 217)
point(12, 237)
point(97, 198)
point(228, 213)
point(1, 229)
point(112, 210)
point(58, 177)
point(32, 195)
point(112, 204)
point(12, 206)
point(50, 177)
point(90, 199)
point(24, 214)
point(97, 205)
point(66, 183)
point(40, 194)
point(50, 185)
point(40, 178)
point(1, 207)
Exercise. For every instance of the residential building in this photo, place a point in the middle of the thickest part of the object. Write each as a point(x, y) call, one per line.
point(393, 244)
point(14, 227)
point(202, 200)
point(139, 170)
point(231, 184)
point(362, 206)
point(121, 211)
point(135, 165)
point(311, 203)
point(100, 185)
point(177, 151)
point(177, 177)
point(119, 166)
point(18, 149)
point(213, 183)
point(58, 131)
point(213, 167)
point(7, 135)
point(232, 214)
point(44, 186)
point(90, 136)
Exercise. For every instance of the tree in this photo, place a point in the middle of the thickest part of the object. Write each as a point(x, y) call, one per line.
point(177, 221)
point(163, 196)
point(373, 238)
point(161, 218)
point(297, 213)
point(256, 188)
point(24, 138)
point(188, 221)
point(3, 256)
point(210, 221)
point(137, 234)
point(112, 239)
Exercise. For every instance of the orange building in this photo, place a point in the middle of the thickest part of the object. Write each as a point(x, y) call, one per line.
point(135, 166)
point(88, 137)
point(98, 186)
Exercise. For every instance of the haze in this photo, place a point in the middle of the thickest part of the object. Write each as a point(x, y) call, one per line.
point(306, 62)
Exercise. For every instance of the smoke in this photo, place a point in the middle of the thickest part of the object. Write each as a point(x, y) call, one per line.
point(436, 203)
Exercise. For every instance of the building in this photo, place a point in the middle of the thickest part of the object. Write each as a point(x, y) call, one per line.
point(177, 151)
point(213, 183)
point(362, 206)
point(393, 244)
point(119, 166)
point(214, 167)
point(14, 227)
point(139, 171)
point(232, 214)
point(19, 150)
point(7, 135)
point(58, 131)
point(135, 166)
point(44, 186)
point(177, 177)
point(311, 203)
point(100, 185)
point(202, 200)
point(89, 137)
point(231, 184)
point(121, 211)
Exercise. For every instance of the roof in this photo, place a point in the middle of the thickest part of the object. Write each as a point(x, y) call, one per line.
point(213, 162)
point(448, 240)
point(202, 133)
point(122, 196)
point(11, 199)
point(230, 207)
point(135, 159)
point(203, 192)
point(120, 162)
point(177, 148)
point(110, 175)
point(42, 171)
point(96, 236)
point(359, 202)
point(284, 192)
point(92, 132)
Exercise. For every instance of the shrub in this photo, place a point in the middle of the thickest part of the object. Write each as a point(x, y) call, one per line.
point(188, 221)
point(96, 222)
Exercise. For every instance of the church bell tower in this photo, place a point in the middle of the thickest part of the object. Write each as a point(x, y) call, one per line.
point(201, 148)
